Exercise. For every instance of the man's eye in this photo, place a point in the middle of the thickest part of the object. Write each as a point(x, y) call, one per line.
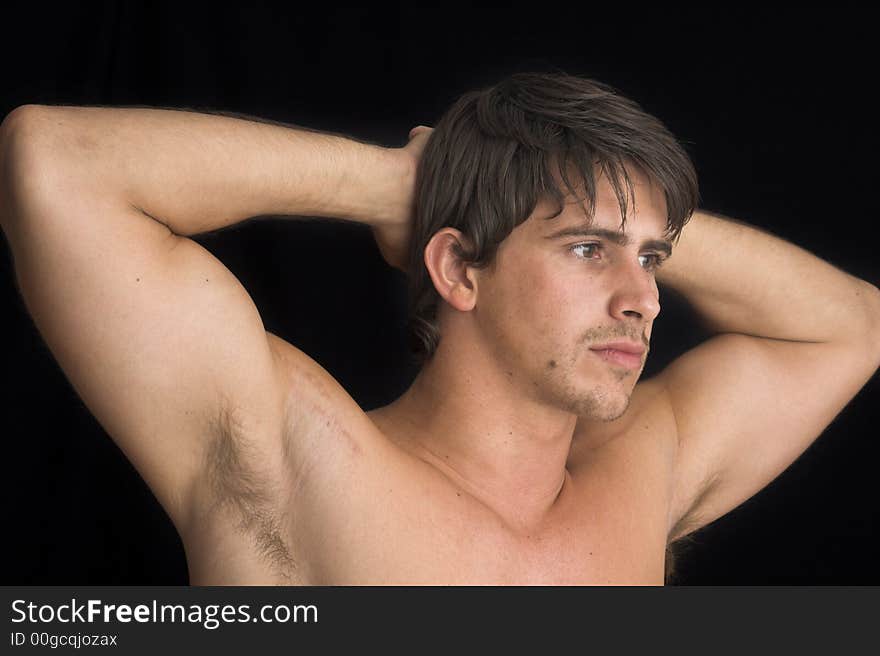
point(654, 260)
point(589, 249)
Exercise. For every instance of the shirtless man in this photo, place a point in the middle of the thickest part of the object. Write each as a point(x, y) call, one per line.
point(525, 451)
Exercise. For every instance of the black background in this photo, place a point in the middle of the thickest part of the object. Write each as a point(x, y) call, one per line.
point(772, 105)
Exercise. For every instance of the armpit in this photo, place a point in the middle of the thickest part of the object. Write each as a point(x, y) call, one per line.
point(239, 490)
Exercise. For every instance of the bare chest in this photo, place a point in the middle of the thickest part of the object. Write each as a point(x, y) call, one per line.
point(411, 534)
point(377, 517)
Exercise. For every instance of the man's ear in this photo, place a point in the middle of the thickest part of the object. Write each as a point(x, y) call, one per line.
point(453, 279)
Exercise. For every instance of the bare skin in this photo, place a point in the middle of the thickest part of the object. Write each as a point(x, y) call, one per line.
point(519, 455)
point(486, 472)
point(472, 476)
point(368, 506)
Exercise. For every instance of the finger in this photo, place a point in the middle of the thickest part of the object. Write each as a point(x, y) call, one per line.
point(418, 130)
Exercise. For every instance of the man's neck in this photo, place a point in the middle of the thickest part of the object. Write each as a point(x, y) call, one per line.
point(463, 415)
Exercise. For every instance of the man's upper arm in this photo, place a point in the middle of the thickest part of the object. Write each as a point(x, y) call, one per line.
point(158, 338)
point(746, 408)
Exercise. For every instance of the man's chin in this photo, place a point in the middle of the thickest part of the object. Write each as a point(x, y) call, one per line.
point(604, 407)
point(612, 412)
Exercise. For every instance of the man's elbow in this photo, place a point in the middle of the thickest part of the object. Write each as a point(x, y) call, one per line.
point(25, 152)
point(13, 118)
point(15, 124)
point(9, 128)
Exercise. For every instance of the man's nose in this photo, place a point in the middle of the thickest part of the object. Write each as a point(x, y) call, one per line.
point(636, 295)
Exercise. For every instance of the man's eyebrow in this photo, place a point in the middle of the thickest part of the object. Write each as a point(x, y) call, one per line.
point(614, 236)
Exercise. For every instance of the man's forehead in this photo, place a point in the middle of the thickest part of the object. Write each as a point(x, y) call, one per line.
point(642, 222)
point(646, 202)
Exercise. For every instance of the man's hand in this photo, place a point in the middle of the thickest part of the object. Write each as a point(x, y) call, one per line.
point(393, 236)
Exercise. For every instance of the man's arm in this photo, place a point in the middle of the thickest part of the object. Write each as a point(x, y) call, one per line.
point(796, 340)
point(159, 339)
point(197, 172)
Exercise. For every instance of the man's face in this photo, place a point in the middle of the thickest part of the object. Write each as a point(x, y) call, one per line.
point(552, 297)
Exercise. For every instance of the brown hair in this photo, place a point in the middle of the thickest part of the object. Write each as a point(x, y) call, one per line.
point(490, 160)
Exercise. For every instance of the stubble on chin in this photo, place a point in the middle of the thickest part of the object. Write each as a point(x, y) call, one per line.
point(598, 403)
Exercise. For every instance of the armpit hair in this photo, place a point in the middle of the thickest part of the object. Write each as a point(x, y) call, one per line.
point(238, 487)
point(682, 536)
point(674, 552)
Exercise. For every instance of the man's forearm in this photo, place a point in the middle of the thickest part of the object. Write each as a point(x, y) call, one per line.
point(199, 172)
point(742, 280)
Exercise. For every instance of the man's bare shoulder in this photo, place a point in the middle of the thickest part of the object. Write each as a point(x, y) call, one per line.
point(647, 419)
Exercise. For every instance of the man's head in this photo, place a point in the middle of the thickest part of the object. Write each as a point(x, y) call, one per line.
point(504, 170)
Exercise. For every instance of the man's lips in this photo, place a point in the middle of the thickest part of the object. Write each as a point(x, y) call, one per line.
point(627, 347)
point(623, 354)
